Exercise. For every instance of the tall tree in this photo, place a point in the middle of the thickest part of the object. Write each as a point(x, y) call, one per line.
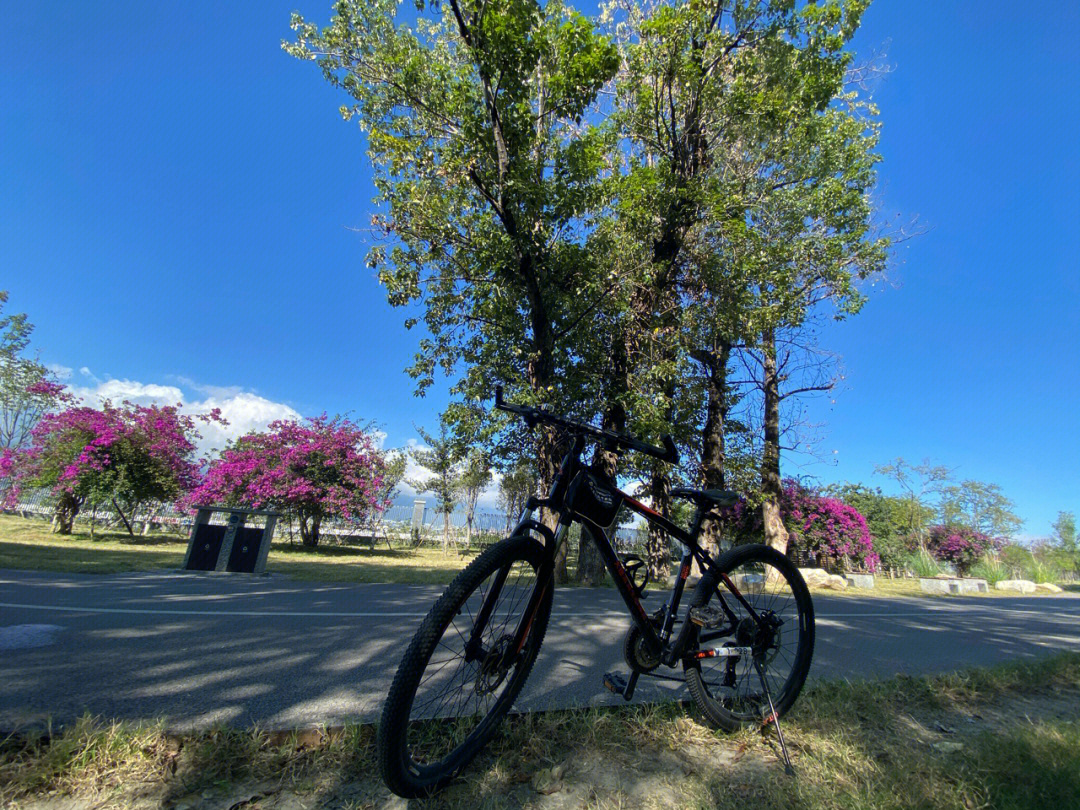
point(27, 389)
point(442, 459)
point(487, 174)
point(475, 476)
point(922, 485)
point(1065, 531)
point(979, 506)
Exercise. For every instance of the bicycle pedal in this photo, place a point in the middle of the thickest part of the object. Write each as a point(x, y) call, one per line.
point(615, 682)
point(707, 617)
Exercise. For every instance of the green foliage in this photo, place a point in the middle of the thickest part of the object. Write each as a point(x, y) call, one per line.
point(887, 517)
point(991, 569)
point(27, 389)
point(922, 564)
point(441, 458)
point(1065, 532)
point(979, 506)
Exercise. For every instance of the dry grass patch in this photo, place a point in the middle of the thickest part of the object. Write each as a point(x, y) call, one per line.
point(1007, 737)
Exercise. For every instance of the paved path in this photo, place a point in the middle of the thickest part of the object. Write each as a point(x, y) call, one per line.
point(200, 649)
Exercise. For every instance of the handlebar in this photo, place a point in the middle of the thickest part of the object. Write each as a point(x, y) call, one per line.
point(669, 452)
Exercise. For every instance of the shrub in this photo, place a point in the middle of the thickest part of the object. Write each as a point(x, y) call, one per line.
point(922, 564)
point(1040, 570)
point(959, 545)
point(991, 569)
point(828, 527)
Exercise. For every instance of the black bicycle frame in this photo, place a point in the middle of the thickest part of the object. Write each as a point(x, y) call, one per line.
point(657, 641)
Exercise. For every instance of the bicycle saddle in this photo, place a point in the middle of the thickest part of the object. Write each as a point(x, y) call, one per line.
point(719, 497)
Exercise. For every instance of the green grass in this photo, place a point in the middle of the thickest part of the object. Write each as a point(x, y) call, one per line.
point(859, 746)
point(28, 544)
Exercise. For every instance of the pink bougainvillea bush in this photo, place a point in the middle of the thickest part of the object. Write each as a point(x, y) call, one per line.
point(961, 546)
point(828, 528)
point(116, 455)
point(824, 527)
point(311, 470)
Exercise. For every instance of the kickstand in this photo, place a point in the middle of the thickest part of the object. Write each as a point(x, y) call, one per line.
point(790, 771)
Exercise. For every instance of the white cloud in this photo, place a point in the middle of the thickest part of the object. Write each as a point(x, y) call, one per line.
point(243, 410)
point(61, 372)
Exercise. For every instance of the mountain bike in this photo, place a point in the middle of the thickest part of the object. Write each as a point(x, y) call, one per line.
point(744, 643)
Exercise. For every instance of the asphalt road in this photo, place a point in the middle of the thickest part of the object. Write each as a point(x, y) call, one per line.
point(203, 649)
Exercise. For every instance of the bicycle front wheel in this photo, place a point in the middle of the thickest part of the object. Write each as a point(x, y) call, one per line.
point(464, 667)
point(727, 687)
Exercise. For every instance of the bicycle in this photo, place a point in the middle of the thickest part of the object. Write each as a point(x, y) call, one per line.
point(744, 644)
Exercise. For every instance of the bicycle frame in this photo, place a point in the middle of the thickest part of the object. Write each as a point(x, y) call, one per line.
point(657, 641)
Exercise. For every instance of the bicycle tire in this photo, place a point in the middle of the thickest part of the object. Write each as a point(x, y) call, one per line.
point(722, 710)
point(403, 774)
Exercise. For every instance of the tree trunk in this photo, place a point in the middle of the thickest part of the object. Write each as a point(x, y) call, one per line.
point(123, 519)
point(776, 534)
point(591, 569)
point(446, 533)
point(713, 450)
point(67, 507)
point(309, 530)
point(657, 547)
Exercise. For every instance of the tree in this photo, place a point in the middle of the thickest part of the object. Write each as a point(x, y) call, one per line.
point(487, 173)
point(979, 506)
point(474, 478)
point(517, 484)
point(960, 545)
point(1065, 531)
point(27, 389)
point(887, 518)
point(441, 458)
point(311, 470)
point(122, 456)
point(828, 527)
point(922, 484)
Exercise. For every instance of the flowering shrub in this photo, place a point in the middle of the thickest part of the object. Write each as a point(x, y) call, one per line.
point(119, 455)
point(310, 470)
point(828, 527)
point(959, 545)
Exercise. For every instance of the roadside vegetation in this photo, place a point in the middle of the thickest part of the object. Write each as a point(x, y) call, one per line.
point(1006, 737)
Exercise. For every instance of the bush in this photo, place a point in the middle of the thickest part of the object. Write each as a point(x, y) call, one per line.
point(923, 565)
point(828, 527)
point(991, 569)
point(1041, 571)
point(959, 545)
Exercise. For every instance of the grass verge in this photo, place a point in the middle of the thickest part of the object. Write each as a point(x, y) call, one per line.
point(28, 544)
point(1006, 737)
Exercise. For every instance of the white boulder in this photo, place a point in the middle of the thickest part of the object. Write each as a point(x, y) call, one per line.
point(1019, 585)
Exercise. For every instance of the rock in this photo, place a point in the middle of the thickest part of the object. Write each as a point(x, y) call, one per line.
point(860, 580)
point(548, 780)
point(1020, 585)
point(972, 585)
point(835, 582)
point(947, 747)
point(1049, 587)
point(749, 583)
point(815, 577)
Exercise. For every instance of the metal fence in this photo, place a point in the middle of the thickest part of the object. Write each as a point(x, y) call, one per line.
point(401, 524)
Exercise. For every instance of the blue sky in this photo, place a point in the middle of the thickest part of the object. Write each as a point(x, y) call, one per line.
point(178, 201)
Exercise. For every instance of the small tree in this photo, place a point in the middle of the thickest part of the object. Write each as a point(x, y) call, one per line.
point(442, 458)
point(311, 470)
point(960, 545)
point(27, 390)
point(921, 484)
point(475, 476)
point(515, 487)
point(122, 456)
point(828, 527)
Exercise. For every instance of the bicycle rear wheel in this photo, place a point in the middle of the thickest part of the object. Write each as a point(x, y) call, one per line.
point(728, 688)
point(461, 672)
